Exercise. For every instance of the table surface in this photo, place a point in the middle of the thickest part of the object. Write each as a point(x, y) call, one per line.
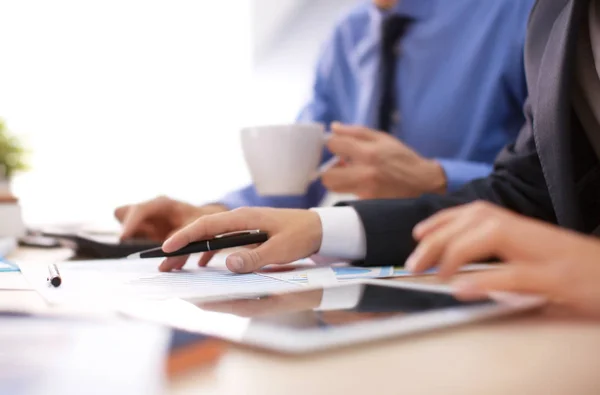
point(539, 353)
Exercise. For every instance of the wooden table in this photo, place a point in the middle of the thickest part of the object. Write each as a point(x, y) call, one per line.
point(543, 353)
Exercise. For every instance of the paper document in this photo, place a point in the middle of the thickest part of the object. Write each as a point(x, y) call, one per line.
point(108, 282)
point(13, 281)
point(301, 273)
point(64, 357)
point(6, 266)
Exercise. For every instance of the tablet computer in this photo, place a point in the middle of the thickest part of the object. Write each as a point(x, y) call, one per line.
point(313, 319)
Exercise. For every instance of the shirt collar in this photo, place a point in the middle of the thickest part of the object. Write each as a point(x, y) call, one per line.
point(414, 9)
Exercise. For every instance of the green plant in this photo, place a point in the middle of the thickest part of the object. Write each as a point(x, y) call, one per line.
point(12, 153)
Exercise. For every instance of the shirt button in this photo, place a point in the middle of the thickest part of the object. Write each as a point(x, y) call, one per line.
point(396, 117)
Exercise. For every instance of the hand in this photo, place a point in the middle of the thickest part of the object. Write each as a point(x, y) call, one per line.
point(542, 259)
point(377, 165)
point(156, 219)
point(293, 234)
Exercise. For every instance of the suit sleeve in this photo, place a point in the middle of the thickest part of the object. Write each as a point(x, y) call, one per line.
point(517, 183)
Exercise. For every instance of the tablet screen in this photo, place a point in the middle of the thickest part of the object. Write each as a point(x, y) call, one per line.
point(337, 306)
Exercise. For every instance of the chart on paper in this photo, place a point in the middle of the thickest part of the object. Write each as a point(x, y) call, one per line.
point(299, 273)
point(114, 280)
point(206, 279)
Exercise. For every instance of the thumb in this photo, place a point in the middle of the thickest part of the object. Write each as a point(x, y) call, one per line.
point(250, 260)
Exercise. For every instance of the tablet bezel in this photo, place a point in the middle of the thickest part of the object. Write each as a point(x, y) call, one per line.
point(186, 315)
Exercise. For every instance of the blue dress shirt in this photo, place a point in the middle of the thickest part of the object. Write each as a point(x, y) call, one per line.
point(460, 85)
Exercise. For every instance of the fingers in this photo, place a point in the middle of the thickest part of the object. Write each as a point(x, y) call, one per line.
point(212, 225)
point(205, 258)
point(340, 179)
point(514, 277)
point(346, 147)
point(134, 215)
point(463, 234)
point(246, 261)
point(359, 132)
point(293, 234)
point(250, 260)
point(430, 249)
point(147, 231)
point(173, 263)
point(120, 212)
point(132, 220)
point(348, 179)
point(436, 221)
point(177, 262)
point(474, 245)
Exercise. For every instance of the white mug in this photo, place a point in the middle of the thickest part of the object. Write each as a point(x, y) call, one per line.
point(11, 221)
point(283, 159)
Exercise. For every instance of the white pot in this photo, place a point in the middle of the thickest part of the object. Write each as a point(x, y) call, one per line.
point(11, 220)
point(5, 187)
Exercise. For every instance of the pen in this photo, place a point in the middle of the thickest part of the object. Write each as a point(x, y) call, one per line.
point(228, 240)
point(54, 276)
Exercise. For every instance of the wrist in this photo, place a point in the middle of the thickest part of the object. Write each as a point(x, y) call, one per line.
point(437, 178)
point(316, 231)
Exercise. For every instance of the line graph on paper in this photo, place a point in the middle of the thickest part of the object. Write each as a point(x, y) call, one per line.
point(204, 282)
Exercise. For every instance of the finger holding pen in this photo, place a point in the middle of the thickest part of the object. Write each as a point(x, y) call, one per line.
point(293, 234)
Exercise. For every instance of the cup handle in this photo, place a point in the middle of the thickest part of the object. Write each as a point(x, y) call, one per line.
point(324, 167)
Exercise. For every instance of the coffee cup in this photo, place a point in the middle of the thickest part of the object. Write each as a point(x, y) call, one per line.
point(283, 159)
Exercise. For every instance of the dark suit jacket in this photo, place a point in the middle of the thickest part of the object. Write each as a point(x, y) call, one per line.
point(550, 172)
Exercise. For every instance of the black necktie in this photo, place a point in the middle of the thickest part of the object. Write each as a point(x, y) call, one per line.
point(393, 28)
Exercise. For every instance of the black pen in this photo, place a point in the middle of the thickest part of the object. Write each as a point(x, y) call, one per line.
point(221, 242)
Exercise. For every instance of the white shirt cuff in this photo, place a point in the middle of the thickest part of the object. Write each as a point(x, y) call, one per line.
point(343, 233)
point(340, 298)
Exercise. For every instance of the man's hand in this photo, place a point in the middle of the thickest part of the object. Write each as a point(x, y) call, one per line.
point(377, 165)
point(156, 219)
point(542, 259)
point(293, 234)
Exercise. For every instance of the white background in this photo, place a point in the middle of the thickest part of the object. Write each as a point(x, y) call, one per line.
point(123, 100)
